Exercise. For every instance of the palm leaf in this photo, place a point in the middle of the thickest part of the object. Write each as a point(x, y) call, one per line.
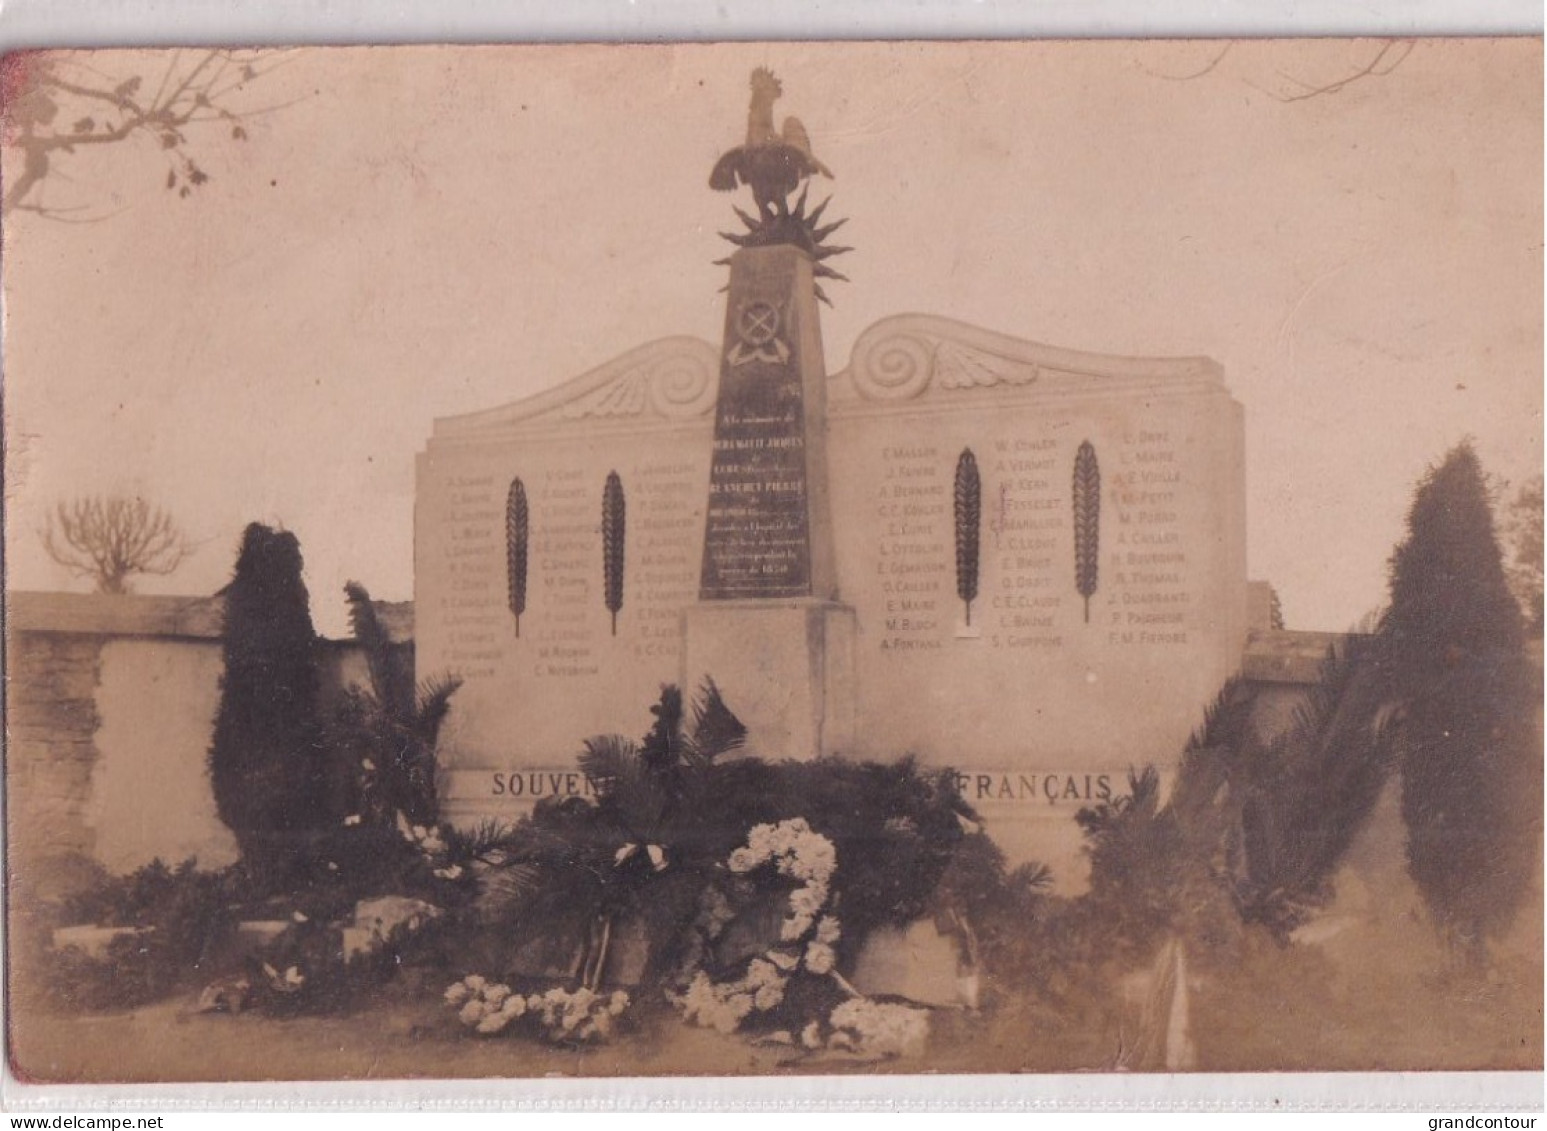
point(431, 708)
point(716, 729)
point(1308, 793)
point(662, 749)
point(608, 760)
point(628, 793)
point(484, 838)
point(386, 678)
point(507, 891)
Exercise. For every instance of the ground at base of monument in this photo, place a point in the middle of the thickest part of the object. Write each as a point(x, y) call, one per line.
point(1356, 1008)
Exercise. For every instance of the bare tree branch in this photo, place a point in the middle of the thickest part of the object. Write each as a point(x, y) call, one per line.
point(1214, 62)
point(1390, 56)
point(111, 539)
point(56, 106)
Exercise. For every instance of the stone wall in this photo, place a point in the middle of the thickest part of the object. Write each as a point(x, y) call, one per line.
point(109, 708)
point(51, 721)
point(110, 703)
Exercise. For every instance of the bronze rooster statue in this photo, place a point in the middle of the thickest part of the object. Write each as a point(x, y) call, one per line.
point(774, 164)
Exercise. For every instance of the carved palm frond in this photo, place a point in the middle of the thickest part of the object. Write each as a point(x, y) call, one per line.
point(1087, 523)
point(517, 538)
point(968, 503)
point(613, 530)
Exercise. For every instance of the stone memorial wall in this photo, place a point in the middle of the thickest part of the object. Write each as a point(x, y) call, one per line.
point(1043, 550)
point(512, 572)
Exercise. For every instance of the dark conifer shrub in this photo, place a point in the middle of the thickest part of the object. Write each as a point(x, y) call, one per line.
point(267, 762)
point(1470, 734)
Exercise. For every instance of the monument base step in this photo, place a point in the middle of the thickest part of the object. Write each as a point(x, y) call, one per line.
point(916, 962)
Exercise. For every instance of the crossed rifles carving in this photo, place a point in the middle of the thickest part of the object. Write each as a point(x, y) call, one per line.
point(757, 334)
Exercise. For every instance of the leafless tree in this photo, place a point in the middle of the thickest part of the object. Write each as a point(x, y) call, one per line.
point(1382, 57)
point(58, 104)
point(1390, 55)
point(111, 539)
point(1520, 531)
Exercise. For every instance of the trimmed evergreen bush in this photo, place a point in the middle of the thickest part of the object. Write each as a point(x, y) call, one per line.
point(268, 764)
point(1471, 771)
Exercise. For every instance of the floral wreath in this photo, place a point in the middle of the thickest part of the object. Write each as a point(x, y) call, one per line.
point(807, 937)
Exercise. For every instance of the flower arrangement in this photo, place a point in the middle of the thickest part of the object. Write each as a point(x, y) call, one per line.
point(796, 978)
point(878, 1029)
point(558, 1016)
point(723, 1006)
point(799, 853)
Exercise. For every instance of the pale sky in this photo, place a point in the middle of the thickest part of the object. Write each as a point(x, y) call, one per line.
point(423, 232)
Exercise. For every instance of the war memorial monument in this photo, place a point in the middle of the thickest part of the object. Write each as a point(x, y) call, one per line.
point(1023, 562)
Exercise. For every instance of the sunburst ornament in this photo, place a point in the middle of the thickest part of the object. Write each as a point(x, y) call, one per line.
point(793, 225)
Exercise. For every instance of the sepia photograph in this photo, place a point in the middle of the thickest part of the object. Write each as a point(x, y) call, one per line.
point(773, 559)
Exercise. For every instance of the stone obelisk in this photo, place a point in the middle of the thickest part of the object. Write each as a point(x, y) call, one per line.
point(768, 627)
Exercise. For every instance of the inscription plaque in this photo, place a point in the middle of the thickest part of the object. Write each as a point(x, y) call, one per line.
point(758, 530)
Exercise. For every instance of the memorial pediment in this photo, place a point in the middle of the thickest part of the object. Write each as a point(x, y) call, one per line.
point(669, 381)
point(920, 357)
point(903, 358)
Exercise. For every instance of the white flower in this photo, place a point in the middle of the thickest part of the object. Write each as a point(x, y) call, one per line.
point(418, 832)
point(624, 853)
point(332, 867)
point(760, 841)
point(367, 764)
point(494, 1023)
point(351, 820)
point(299, 917)
point(743, 860)
point(793, 927)
point(783, 959)
point(657, 856)
point(496, 995)
point(476, 981)
point(811, 1035)
point(617, 1003)
point(820, 958)
point(828, 930)
point(514, 1006)
point(457, 993)
point(452, 873)
point(473, 1012)
point(805, 901)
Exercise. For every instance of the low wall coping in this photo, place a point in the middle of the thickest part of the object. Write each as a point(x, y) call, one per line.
point(1284, 656)
point(135, 614)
